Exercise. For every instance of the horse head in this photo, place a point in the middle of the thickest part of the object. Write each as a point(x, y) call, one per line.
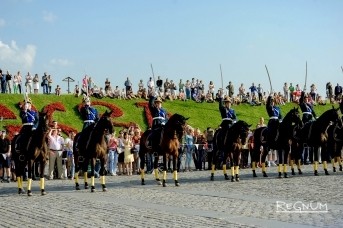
point(243, 130)
point(43, 124)
point(293, 116)
point(176, 123)
point(105, 122)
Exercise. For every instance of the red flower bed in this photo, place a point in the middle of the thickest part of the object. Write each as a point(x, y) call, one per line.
point(5, 113)
point(147, 112)
point(51, 108)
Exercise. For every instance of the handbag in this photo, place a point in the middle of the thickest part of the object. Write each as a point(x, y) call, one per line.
point(119, 150)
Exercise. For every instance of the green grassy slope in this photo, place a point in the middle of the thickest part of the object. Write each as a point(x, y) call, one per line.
point(202, 115)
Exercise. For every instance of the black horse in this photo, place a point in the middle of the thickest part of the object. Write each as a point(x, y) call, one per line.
point(35, 149)
point(315, 134)
point(285, 140)
point(169, 145)
point(90, 146)
point(228, 145)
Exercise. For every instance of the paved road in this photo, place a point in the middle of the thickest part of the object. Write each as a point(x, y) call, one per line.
point(198, 202)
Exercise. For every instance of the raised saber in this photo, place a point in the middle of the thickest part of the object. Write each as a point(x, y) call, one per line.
point(342, 69)
point(221, 75)
point(305, 77)
point(270, 82)
point(153, 75)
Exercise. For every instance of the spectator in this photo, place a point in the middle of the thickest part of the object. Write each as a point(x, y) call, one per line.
point(151, 86)
point(182, 96)
point(68, 145)
point(159, 84)
point(128, 85)
point(189, 147)
point(2, 82)
point(241, 92)
point(20, 80)
point(90, 84)
point(35, 81)
point(291, 92)
point(49, 84)
point(209, 97)
point(77, 91)
point(313, 92)
point(8, 82)
point(230, 89)
point(58, 90)
point(112, 154)
point(338, 92)
point(45, 83)
point(211, 88)
point(55, 145)
point(120, 150)
point(193, 88)
point(260, 92)
point(181, 86)
point(5, 157)
point(28, 83)
point(209, 138)
point(15, 84)
point(253, 90)
point(107, 85)
point(285, 91)
point(188, 90)
point(136, 140)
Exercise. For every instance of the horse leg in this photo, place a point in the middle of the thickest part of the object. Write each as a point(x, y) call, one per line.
point(156, 172)
point(42, 164)
point(142, 163)
point(254, 158)
point(263, 159)
point(213, 162)
point(315, 160)
point(281, 161)
point(175, 160)
point(93, 161)
point(85, 172)
point(325, 158)
point(77, 171)
point(164, 170)
point(102, 173)
point(285, 163)
point(29, 177)
point(232, 167)
point(225, 157)
point(237, 159)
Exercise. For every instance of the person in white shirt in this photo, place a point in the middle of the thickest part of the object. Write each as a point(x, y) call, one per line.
point(56, 143)
point(28, 83)
point(151, 86)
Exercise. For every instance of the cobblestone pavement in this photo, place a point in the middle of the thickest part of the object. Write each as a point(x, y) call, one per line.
point(198, 202)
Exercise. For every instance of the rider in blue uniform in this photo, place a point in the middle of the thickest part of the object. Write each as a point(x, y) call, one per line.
point(30, 121)
point(306, 108)
point(159, 114)
point(275, 117)
point(88, 113)
point(227, 113)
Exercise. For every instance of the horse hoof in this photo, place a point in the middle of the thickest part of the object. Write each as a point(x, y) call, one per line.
point(265, 174)
point(254, 174)
point(77, 188)
point(164, 183)
point(43, 192)
point(316, 173)
point(92, 189)
point(177, 184)
point(334, 169)
point(293, 173)
point(212, 177)
point(142, 182)
point(285, 175)
point(300, 172)
point(340, 168)
point(232, 179)
point(29, 193)
point(326, 172)
point(237, 179)
point(21, 191)
point(104, 189)
point(86, 185)
point(226, 177)
point(159, 182)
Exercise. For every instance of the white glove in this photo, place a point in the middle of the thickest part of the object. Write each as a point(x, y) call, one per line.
point(33, 129)
point(26, 106)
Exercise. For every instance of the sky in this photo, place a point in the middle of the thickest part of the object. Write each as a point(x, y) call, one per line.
point(179, 39)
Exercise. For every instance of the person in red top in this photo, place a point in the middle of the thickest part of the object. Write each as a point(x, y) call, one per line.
point(112, 154)
point(136, 139)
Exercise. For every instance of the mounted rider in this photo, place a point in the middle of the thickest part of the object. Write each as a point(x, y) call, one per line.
point(89, 114)
point(227, 113)
point(159, 117)
point(275, 117)
point(306, 108)
point(30, 120)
